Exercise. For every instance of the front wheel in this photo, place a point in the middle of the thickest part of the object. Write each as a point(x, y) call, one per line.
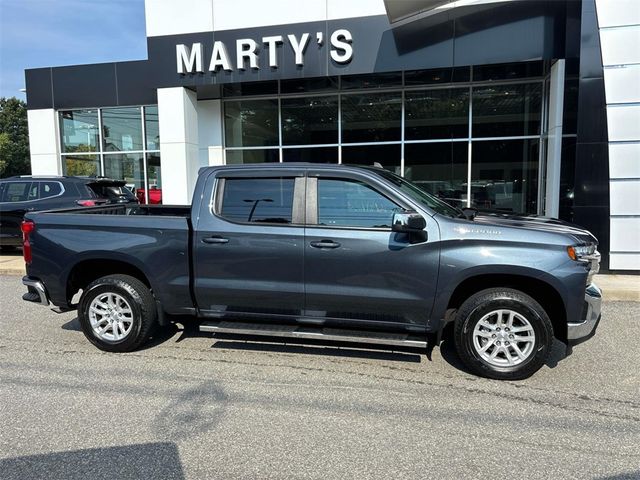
point(503, 333)
point(117, 313)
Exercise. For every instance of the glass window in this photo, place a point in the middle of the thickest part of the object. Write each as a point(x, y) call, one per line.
point(372, 80)
point(309, 121)
point(81, 165)
point(301, 85)
point(251, 123)
point(508, 71)
point(152, 129)
point(122, 129)
point(313, 155)
point(347, 203)
point(435, 114)
point(50, 189)
point(127, 167)
point(16, 191)
point(79, 130)
point(258, 200)
point(435, 76)
point(507, 110)
point(439, 169)
point(252, 156)
point(504, 175)
point(372, 117)
point(154, 179)
point(250, 88)
point(386, 155)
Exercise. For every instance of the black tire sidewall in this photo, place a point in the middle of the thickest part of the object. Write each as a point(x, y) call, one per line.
point(528, 308)
point(110, 285)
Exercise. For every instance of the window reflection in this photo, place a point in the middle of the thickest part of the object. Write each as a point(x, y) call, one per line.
point(372, 117)
point(264, 200)
point(79, 131)
point(507, 110)
point(434, 114)
point(313, 155)
point(251, 123)
point(386, 155)
point(504, 175)
point(81, 165)
point(252, 156)
point(122, 129)
point(439, 169)
point(309, 121)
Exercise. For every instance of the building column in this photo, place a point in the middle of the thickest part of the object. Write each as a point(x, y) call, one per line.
point(554, 140)
point(44, 144)
point(178, 123)
point(619, 29)
point(211, 151)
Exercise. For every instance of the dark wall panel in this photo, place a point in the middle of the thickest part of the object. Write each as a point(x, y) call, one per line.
point(591, 198)
point(85, 86)
point(39, 88)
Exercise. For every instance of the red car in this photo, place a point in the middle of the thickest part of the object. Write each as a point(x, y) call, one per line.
point(155, 195)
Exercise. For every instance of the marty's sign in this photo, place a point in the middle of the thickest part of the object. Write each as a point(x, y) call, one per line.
point(191, 59)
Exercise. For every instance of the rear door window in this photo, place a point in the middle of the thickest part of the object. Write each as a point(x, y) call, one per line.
point(16, 192)
point(258, 200)
point(50, 189)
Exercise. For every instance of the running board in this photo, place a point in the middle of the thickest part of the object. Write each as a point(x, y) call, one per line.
point(308, 333)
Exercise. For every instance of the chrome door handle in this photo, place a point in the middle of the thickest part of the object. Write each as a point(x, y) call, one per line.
point(325, 244)
point(215, 240)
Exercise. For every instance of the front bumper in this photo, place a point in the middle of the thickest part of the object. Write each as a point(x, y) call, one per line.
point(585, 329)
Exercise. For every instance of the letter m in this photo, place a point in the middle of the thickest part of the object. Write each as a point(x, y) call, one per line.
point(189, 60)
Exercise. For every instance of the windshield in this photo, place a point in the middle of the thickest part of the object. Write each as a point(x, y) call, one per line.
point(419, 195)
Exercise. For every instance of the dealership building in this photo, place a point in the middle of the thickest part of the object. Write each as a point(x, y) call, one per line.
point(517, 106)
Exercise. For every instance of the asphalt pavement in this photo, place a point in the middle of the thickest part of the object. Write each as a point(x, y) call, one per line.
point(192, 406)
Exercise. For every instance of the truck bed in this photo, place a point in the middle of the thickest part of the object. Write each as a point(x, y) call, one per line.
point(131, 209)
point(153, 238)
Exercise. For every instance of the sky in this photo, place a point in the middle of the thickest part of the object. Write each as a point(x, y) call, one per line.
point(48, 33)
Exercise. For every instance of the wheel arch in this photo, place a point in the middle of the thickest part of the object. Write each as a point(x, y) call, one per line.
point(86, 270)
point(540, 289)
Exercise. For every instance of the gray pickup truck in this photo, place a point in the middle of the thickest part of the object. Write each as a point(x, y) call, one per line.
point(334, 252)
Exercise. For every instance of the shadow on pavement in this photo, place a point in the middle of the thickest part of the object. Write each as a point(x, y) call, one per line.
point(149, 460)
point(449, 354)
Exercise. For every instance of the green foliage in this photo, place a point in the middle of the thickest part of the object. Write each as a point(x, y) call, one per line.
point(14, 138)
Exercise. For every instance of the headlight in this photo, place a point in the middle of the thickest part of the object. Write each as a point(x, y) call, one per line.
point(581, 252)
point(587, 254)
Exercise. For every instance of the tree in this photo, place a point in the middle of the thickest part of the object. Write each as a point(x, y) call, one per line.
point(14, 138)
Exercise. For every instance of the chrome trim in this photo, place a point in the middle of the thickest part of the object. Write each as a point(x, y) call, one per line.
point(39, 287)
point(584, 328)
point(400, 340)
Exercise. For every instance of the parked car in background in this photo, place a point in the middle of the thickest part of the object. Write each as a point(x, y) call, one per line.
point(19, 195)
point(155, 195)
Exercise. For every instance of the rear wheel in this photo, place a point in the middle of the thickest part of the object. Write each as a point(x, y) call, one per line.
point(117, 313)
point(503, 333)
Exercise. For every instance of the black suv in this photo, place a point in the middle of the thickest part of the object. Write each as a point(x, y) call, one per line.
point(19, 195)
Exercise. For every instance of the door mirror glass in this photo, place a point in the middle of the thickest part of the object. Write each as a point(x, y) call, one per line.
point(407, 222)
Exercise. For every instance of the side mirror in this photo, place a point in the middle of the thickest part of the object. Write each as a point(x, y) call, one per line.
point(469, 213)
point(408, 222)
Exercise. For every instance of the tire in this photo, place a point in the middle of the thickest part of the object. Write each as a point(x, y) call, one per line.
point(123, 310)
point(482, 328)
point(8, 248)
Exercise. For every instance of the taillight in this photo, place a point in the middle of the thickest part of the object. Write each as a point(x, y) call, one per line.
point(27, 227)
point(86, 203)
